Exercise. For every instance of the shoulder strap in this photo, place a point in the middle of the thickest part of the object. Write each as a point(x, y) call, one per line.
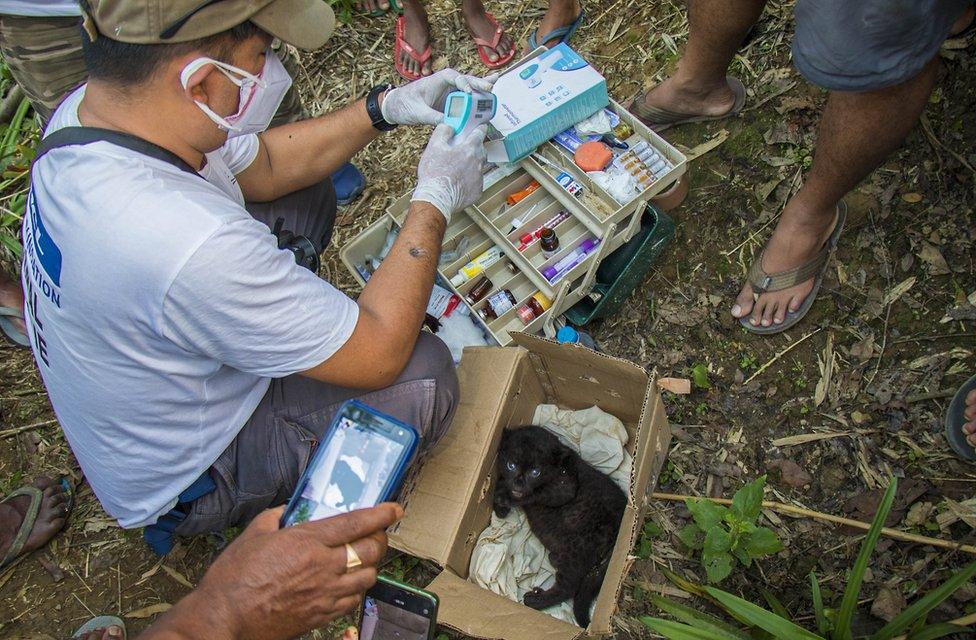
point(70, 136)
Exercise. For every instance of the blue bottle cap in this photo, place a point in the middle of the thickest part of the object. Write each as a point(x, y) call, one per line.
point(567, 334)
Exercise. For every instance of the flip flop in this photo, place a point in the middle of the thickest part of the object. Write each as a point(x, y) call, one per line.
point(12, 333)
point(400, 45)
point(30, 518)
point(660, 119)
point(101, 622)
point(564, 34)
point(492, 44)
point(955, 419)
point(763, 282)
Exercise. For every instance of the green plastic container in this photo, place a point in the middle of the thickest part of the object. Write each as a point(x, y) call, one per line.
point(620, 272)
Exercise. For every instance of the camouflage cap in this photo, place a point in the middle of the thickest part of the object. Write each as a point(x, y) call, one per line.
point(306, 24)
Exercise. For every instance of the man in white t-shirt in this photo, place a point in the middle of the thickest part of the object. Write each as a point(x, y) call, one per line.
point(191, 362)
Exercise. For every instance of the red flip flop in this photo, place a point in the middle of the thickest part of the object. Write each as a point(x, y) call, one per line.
point(492, 44)
point(400, 45)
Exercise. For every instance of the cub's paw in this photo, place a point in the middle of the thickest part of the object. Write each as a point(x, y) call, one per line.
point(536, 599)
point(502, 510)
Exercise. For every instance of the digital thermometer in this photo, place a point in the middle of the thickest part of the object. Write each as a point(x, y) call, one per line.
point(464, 111)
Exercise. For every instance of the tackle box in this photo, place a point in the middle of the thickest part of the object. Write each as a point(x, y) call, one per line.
point(595, 214)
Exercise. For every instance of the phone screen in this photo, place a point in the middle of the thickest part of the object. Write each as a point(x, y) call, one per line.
point(354, 469)
point(393, 613)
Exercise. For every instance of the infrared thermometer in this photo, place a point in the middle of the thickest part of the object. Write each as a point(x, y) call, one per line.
point(464, 111)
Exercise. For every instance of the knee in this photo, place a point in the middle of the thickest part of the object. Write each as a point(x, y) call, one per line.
point(431, 360)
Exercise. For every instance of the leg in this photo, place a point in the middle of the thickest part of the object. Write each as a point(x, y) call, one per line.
point(561, 13)
point(260, 469)
point(857, 132)
point(562, 590)
point(716, 28)
point(481, 27)
point(45, 59)
point(417, 35)
point(12, 296)
point(309, 212)
point(878, 88)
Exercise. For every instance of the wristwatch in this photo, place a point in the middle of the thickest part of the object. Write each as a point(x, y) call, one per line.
point(373, 108)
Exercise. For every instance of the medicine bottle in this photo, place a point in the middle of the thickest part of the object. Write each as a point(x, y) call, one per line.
point(533, 307)
point(479, 290)
point(548, 242)
point(497, 304)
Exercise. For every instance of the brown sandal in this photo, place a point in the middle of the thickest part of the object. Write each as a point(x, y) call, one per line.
point(660, 119)
point(763, 282)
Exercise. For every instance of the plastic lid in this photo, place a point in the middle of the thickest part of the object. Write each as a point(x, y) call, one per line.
point(567, 334)
point(526, 239)
point(459, 279)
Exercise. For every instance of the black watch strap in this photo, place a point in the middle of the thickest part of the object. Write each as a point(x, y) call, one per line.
point(373, 107)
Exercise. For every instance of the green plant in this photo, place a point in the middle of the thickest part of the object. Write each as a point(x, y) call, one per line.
point(699, 374)
point(650, 531)
point(17, 142)
point(831, 624)
point(727, 534)
point(344, 10)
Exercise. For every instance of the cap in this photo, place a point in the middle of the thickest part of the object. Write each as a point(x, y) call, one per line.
point(306, 24)
point(567, 334)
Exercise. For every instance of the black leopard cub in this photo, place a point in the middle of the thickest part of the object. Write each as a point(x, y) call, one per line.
point(572, 508)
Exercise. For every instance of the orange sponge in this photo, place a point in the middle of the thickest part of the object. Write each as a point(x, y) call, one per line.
point(593, 156)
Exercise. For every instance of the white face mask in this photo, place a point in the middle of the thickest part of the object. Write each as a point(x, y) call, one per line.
point(260, 95)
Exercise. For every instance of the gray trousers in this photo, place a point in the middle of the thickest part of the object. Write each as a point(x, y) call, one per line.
point(261, 467)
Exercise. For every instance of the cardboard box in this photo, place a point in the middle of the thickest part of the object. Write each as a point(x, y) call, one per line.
point(448, 503)
point(542, 96)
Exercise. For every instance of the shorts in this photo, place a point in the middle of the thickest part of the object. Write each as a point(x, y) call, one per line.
point(865, 45)
point(45, 58)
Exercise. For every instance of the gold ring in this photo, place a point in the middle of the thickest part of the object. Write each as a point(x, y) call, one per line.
point(353, 561)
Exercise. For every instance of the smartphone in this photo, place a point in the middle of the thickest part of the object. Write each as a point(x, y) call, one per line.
point(396, 611)
point(359, 464)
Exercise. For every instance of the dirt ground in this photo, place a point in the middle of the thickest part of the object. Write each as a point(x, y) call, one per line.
point(869, 369)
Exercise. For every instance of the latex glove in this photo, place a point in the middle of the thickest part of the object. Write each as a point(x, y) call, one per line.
point(421, 101)
point(449, 172)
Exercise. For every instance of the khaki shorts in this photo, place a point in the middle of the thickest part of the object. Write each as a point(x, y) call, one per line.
point(46, 60)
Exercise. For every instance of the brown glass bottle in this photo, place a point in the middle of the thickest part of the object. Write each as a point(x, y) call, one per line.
point(548, 242)
point(479, 290)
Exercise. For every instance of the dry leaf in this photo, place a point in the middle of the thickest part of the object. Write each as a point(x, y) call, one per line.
point(826, 364)
point(791, 473)
point(150, 611)
point(911, 197)
point(680, 386)
point(919, 514)
point(934, 258)
point(965, 510)
point(888, 604)
point(804, 438)
point(899, 290)
point(705, 147)
point(179, 577)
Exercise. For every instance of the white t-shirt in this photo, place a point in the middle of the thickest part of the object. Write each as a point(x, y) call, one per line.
point(158, 310)
point(47, 8)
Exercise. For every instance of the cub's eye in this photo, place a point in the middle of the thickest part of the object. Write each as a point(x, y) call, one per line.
point(535, 472)
point(510, 465)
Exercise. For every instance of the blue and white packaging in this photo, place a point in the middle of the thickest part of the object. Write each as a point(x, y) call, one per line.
point(541, 97)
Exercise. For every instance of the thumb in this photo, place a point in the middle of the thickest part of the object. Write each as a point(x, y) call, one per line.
point(443, 134)
point(476, 135)
point(351, 633)
point(265, 522)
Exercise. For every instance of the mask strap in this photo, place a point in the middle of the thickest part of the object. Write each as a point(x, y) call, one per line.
point(228, 70)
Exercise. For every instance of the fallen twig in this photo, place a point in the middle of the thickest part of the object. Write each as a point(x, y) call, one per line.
point(779, 355)
point(6, 433)
point(788, 508)
point(935, 395)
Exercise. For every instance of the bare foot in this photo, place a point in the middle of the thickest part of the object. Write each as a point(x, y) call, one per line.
point(371, 6)
point(417, 34)
point(969, 427)
point(12, 295)
point(963, 22)
point(50, 519)
point(798, 237)
point(561, 13)
point(695, 97)
point(109, 633)
point(481, 27)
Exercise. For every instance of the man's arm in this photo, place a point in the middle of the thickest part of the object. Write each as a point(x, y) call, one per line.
point(391, 307)
point(393, 302)
point(300, 154)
